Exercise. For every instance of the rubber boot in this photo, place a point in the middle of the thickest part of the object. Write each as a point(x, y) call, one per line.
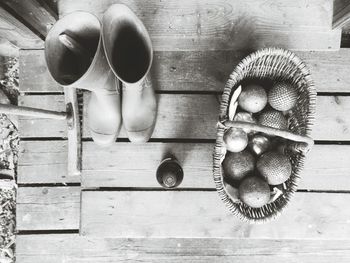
point(76, 59)
point(129, 53)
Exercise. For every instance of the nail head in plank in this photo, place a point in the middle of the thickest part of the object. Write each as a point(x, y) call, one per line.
point(73, 248)
point(48, 208)
point(203, 214)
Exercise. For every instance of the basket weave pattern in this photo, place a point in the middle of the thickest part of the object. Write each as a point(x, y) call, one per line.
point(276, 65)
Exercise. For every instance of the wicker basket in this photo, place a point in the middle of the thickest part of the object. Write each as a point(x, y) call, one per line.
point(275, 65)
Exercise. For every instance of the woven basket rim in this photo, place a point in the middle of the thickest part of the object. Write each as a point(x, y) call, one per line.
point(233, 80)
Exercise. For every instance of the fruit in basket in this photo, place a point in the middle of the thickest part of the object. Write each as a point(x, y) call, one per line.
point(235, 139)
point(259, 144)
point(238, 165)
point(232, 192)
point(253, 98)
point(245, 117)
point(275, 167)
point(274, 119)
point(282, 96)
point(254, 191)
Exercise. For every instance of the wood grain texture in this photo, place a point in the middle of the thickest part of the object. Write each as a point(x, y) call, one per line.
point(191, 116)
point(7, 49)
point(203, 214)
point(17, 33)
point(195, 116)
point(33, 13)
point(41, 127)
point(209, 70)
point(73, 248)
point(35, 76)
point(232, 25)
point(327, 166)
point(129, 165)
point(205, 71)
point(48, 208)
point(43, 162)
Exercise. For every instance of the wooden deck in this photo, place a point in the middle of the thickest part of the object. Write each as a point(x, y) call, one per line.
point(117, 212)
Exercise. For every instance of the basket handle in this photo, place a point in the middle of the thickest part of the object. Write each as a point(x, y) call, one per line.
point(305, 143)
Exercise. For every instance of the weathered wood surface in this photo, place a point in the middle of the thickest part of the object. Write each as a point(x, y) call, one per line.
point(35, 76)
point(163, 213)
point(219, 24)
point(48, 208)
point(327, 166)
point(73, 248)
point(41, 127)
point(203, 214)
point(7, 49)
point(197, 71)
point(33, 13)
point(42, 162)
point(191, 116)
point(128, 165)
point(17, 33)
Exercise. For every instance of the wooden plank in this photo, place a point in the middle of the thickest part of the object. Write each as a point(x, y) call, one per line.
point(41, 127)
point(328, 70)
point(7, 49)
point(35, 76)
point(43, 162)
point(48, 208)
point(219, 24)
point(197, 71)
point(17, 33)
point(310, 215)
point(195, 116)
point(209, 70)
point(191, 116)
point(32, 13)
point(72, 248)
point(203, 214)
point(129, 165)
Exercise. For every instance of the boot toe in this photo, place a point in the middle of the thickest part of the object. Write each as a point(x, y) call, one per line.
point(140, 136)
point(103, 140)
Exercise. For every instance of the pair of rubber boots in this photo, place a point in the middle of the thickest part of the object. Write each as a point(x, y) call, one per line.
point(82, 52)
